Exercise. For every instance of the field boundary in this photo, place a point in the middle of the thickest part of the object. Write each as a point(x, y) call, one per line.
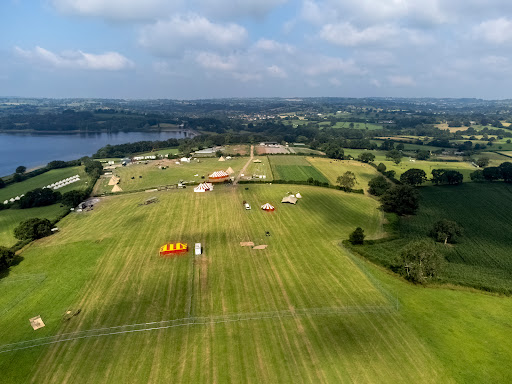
point(191, 321)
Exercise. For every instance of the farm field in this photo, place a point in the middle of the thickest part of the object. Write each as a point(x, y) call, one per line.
point(262, 168)
point(495, 158)
point(45, 179)
point(105, 265)
point(334, 168)
point(152, 176)
point(10, 218)
point(308, 151)
point(294, 168)
point(427, 166)
point(369, 126)
point(482, 257)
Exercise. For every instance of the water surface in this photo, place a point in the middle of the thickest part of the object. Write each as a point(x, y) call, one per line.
point(32, 150)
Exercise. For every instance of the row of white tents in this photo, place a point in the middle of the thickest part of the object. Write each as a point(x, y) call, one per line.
point(13, 199)
point(56, 185)
point(64, 182)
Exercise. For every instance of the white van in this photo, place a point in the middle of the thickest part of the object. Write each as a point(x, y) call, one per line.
point(247, 206)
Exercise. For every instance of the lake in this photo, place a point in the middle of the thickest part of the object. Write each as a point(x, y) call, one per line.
point(32, 150)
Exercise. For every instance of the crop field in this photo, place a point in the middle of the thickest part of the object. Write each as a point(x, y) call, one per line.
point(481, 259)
point(334, 168)
point(235, 314)
point(495, 158)
point(10, 218)
point(45, 179)
point(294, 168)
point(152, 176)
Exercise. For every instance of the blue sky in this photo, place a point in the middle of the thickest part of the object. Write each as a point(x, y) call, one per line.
point(255, 48)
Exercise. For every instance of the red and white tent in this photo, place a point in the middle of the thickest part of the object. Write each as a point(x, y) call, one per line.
point(203, 187)
point(267, 207)
point(218, 176)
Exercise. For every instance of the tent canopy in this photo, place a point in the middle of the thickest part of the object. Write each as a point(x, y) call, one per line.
point(289, 199)
point(267, 207)
point(117, 188)
point(218, 176)
point(203, 187)
point(173, 248)
point(230, 171)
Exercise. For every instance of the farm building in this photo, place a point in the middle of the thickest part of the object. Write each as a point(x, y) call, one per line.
point(173, 248)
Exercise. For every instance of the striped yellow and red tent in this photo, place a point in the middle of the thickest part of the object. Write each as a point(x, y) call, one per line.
point(173, 248)
point(218, 176)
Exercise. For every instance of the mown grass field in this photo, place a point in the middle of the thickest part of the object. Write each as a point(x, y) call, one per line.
point(152, 176)
point(262, 168)
point(10, 218)
point(332, 169)
point(105, 262)
point(45, 179)
point(294, 168)
point(482, 258)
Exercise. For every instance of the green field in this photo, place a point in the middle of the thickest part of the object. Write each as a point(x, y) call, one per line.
point(152, 176)
point(262, 168)
point(266, 328)
point(10, 218)
point(45, 179)
point(163, 152)
point(380, 157)
point(294, 168)
point(369, 126)
point(482, 257)
point(334, 168)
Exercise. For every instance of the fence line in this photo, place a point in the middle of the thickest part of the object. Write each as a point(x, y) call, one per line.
point(190, 321)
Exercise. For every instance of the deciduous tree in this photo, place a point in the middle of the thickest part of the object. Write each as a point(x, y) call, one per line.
point(347, 180)
point(413, 176)
point(420, 261)
point(401, 199)
point(445, 231)
point(378, 185)
point(357, 237)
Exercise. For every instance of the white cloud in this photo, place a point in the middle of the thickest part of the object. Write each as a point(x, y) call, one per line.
point(277, 71)
point(336, 82)
point(110, 61)
point(179, 34)
point(120, 10)
point(273, 46)
point(497, 31)
point(345, 34)
point(214, 61)
point(328, 65)
point(422, 12)
point(401, 81)
point(227, 9)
